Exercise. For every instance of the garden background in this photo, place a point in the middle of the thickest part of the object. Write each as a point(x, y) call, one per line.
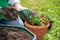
point(51, 8)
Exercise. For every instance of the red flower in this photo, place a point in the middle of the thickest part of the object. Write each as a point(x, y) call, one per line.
point(32, 12)
point(41, 16)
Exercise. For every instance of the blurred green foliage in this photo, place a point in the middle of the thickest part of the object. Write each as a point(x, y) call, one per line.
point(51, 8)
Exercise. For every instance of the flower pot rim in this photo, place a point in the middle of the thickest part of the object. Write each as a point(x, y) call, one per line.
point(38, 27)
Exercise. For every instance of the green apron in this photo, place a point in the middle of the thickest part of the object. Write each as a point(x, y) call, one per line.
point(3, 3)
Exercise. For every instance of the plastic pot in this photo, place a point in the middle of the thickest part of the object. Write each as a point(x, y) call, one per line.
point(40, 31)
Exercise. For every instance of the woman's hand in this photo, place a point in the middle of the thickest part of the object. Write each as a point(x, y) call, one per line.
point(18, 6)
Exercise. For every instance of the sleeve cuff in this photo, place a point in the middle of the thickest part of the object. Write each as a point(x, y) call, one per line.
point(12, 2)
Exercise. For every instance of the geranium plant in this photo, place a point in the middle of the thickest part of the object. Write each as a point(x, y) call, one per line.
point(38, 24)
point(37, 19)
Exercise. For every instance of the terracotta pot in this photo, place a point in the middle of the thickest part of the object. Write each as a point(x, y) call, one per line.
point(40, 31)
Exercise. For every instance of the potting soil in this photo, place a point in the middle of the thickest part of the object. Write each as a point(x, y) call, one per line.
point(14, 34)
point(9, 12)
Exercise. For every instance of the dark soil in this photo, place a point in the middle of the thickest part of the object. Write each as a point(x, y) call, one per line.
point(14, 34)
point(10, 12)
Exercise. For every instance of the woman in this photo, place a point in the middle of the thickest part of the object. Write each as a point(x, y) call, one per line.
point(18, 7)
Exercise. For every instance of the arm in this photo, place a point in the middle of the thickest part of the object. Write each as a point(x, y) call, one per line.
point(23, 12)
point(17, 5)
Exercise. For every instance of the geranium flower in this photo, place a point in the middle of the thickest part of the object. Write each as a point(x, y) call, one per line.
point(32, 12)
point(41, 16)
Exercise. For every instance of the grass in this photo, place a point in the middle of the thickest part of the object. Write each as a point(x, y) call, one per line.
point(51, 8)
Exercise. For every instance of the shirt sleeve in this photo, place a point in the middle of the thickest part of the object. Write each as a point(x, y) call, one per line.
point(12, 2)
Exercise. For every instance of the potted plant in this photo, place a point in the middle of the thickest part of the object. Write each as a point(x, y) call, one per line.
point(38, 24)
